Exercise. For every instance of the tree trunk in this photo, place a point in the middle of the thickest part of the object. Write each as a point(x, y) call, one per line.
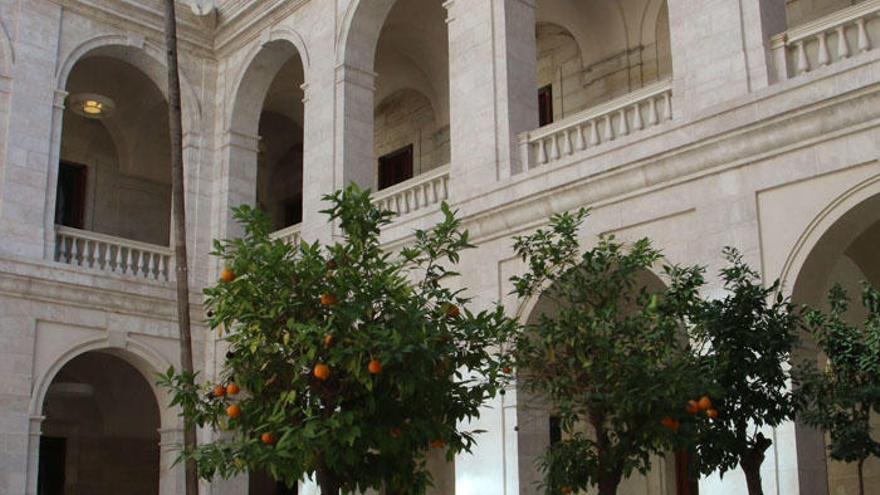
point(329, 483)
point(175, 128)
point(751, 464)
point(861, 476)
point(608, 483)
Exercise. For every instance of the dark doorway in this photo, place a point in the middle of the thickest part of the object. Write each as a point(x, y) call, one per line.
point(51, 477)
point(70, 202)
point(545, 105)
point(396, 167)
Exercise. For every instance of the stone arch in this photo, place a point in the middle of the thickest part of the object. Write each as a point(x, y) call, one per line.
point(837, 246)
point(248, 92)
point(359, 33)
point(533, 423)
point(143, 55)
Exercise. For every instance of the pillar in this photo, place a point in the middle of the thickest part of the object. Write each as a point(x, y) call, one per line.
point(720, 49)
point(171, 476)
point(493, 87)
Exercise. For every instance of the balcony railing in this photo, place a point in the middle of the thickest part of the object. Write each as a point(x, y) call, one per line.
point(420, 192)
point(290, 235)
point(110, 254)
point(629, 114)
point(822, 42)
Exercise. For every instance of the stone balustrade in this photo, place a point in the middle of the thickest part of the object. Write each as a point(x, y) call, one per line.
point(631, 113)
point(291, 235)
point(420, 192)
point(106, 253)
point(835, 37)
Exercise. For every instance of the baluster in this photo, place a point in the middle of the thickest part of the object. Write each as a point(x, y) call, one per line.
point(579, 140)
point(637, 117)
point(824, 57)
point(445, 188)
point(542, 152)
point(652, 111)
point(172, 269)
point(59, 248)
point(803, 65)
point(75, 254)
point(568, 148)
point(609, 130)
point(163, 267)
point(667, 101)
point(92, 252)
point(132, 264)
point(157, 263)
point(554, 148)
point(101, 254)
point(842, 43)
point(623, 128)
point(409, 199)
point(864, 41)
point(594, 134)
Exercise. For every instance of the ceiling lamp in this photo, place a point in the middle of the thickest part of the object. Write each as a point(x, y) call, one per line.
point(92, 106)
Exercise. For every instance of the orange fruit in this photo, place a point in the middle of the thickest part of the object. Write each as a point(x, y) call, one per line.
point(705, 403)
point(693, 407)
point(328, 299)
point(670, 423)
point(219, 391)
point(395, 432)
point(233, 411)
point(267, 438)
point(506, 370)
point(227, 275)
point(322, 372)
point(712, 413)
point(452, 311)
point(565, 490)
point(375, 367)
point(438, 444)
point(232, 389)
point(328, 341)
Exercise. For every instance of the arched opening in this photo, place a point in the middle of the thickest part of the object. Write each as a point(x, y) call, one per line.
point(592, 52)
point(800, 12)
point(411, 114)
point(845, 254)
point(269, 104)
point(538, 428)
point(100, 434)
point(114, 174)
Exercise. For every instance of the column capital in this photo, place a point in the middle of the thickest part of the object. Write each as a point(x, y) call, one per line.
point(241, 140)
point(356, 76)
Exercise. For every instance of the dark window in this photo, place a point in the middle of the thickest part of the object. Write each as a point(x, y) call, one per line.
point(545, 105)
point(70, 202)
point(555, 430)
point(293, 211)
point(396, 167)
point(50, 480)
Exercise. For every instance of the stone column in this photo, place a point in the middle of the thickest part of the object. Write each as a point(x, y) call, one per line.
point(33, 454)
point(235, 180)
point(493, 89)
point(355, 92)
point(171, 479)
point(26, 169)
point(720, 49)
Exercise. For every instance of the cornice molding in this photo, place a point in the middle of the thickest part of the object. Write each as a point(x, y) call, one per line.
point(242, 21)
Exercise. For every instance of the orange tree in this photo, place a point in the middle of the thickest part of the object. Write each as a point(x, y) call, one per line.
point(743, 342)
point(352, 362)
point(610, 357)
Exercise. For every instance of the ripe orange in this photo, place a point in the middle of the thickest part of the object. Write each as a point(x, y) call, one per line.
point(693, 407)
point(506, 370)
point(267, 438)
point(322, 372)
point(670, 423)
point(219, 391)
point(375, 367)
point(233, 411)
point(328, 341)
point(566, 490)
point(712, 413)
point(705, 403)
point(328, 299)
point(395, 432)
point(452, 311)
point(438, 444)
point(227, 275)
point(232, 389)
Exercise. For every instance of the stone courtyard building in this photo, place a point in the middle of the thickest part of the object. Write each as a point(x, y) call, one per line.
point(698, 123)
